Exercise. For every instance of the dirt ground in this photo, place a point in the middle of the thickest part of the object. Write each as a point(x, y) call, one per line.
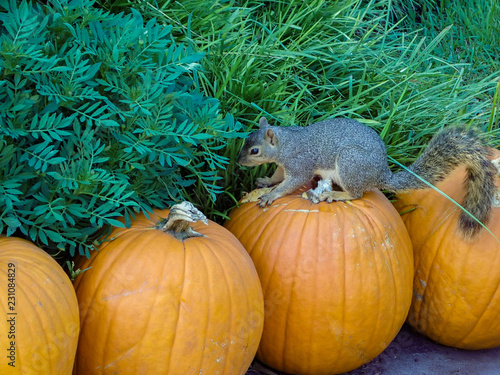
point(413, 354)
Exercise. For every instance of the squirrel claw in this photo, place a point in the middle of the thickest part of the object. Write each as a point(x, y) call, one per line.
point(266, 200)
point(262, 204)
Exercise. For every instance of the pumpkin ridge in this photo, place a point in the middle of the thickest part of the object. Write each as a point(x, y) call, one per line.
point(264, 219)
point(314, 310)
point(356, 216)
point(286, 322)
point(172, 346)
point(404, 257)
point(102, 280)
point(484, 310)
point(68, 307)
point(231, 292)
point(411, 261)
point(209, 285)
point(387, 247)
point(29, 297)
point(261, 222)
point(373, 261)
point(434, 271)
point(39, 323)
point(397, 297)
point(294, 278)
point(453, 301)
point(179, 306)
point(340, 338)
point(427, 280)
point(106, 347)
point(227, 300)
point(270, 221)
point(147, 324)
point(463, 269)
point(497, 290)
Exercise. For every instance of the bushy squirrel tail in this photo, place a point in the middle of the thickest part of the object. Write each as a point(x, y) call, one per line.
point(448, 149)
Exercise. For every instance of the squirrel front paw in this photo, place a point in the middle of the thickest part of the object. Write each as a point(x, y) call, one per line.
point(267, 199)
point(263, 182)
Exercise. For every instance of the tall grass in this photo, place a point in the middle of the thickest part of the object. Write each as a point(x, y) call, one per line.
point(298, 62)
point(475, 31)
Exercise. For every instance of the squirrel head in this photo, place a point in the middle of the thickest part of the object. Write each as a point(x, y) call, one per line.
point(260, 147)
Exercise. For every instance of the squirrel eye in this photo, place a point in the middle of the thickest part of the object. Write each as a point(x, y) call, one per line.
point(254, 151)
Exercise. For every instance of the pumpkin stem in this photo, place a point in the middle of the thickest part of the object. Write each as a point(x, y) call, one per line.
point(178, 219)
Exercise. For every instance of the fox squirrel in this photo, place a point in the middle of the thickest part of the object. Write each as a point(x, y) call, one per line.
point(354, 157)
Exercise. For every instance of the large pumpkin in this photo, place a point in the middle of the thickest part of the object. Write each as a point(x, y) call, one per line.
point(39, 311)
point(457, 282)
point(336, 279)
point(152, 303)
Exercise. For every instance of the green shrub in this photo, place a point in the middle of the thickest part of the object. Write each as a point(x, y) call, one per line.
point(101, 116)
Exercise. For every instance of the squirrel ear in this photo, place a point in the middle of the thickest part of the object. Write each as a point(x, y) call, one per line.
point(263, 122)
point(271, 137)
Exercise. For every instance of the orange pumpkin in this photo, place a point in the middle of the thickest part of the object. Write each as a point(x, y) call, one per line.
point(336, 279)
point(457, 282)
point(39, 311)
point(155, 304)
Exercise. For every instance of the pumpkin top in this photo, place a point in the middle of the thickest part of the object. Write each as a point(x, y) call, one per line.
point(178, 219)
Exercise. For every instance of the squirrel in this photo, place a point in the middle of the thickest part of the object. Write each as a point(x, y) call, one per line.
point(354, 157)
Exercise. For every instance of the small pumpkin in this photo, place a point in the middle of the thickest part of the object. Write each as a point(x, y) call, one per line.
point(457, 281)
point(336, 278)
point(39, 311)
point(162, 298)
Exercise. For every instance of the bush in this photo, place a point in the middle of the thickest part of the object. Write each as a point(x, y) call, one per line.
point(101, 118)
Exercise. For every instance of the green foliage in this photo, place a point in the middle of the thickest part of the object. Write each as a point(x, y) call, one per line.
point(299, 62)
point(101, 117)
point(474, 36)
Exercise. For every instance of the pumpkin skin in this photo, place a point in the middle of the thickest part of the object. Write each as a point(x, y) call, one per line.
point(153, 304)
point(336, 279)
point(457, 282)
point(46, 323)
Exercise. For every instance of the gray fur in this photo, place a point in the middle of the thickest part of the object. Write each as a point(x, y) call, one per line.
point(354, 157)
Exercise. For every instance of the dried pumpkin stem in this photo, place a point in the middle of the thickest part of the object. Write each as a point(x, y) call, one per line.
point(178, 221)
